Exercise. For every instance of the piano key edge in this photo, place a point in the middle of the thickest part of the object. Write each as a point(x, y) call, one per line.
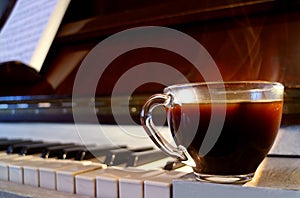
point(19, 190)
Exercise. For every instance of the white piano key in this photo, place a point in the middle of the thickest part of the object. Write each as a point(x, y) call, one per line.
point(189, 187)
point(31, 176)
point(161, 184)
point(65, 177)
point(86, 182)
point(31, 171)
point(4, 166)
point(107, 183)
point(107, 180)
point(132, 186)
point(122, 182)
point(47, 172)
point(4, 171)
point(15, 173)
point(16, 170)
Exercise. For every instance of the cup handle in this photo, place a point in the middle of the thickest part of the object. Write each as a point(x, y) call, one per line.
point(152, 131)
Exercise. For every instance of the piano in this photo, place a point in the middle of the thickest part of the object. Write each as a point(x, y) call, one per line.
point(103, 151)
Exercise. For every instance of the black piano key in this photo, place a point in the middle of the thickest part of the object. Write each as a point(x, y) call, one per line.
point(55, 151)
point(3, 139)
point(121, 156)
point(69, 153)
point(141, 158)
point(35, 148)
point(16, 148)
point(172, 165)
point(6, 143)
point(117, 157)
point(94, 152)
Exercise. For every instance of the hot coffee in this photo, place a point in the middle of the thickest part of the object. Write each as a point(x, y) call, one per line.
point(247, 135)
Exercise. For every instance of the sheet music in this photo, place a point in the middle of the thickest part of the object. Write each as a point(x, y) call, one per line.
point(29, 31)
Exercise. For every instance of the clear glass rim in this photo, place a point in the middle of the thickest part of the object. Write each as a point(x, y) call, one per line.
point(273, 84)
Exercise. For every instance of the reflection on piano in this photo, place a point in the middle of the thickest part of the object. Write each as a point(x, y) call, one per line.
point(46, 154)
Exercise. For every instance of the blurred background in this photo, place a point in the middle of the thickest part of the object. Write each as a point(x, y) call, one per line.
point(248, 40)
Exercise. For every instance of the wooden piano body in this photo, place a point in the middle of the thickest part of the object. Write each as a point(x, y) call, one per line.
point(248, 40)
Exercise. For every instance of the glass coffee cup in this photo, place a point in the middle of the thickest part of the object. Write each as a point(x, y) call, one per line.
point(223, 130)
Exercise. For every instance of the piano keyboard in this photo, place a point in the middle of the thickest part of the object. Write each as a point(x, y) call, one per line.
point(82, 175)
point(99, 171)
